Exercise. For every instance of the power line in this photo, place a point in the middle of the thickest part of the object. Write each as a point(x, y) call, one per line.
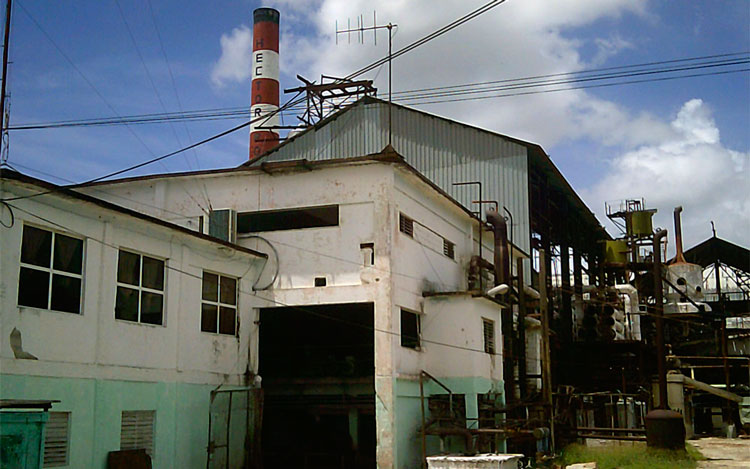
point(424, 94)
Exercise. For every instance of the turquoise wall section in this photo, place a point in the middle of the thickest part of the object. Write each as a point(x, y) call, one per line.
point(181, 434)
point(408, 414)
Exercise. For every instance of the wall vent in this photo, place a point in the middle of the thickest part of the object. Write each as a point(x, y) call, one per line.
point(406, 225)
point(488, 327)
point(56, 439)
point(137, 430)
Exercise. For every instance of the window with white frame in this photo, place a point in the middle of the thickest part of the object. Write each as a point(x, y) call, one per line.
point(56, 439)
point(140, 288)
point(51, 274)
point(219, 304)
point(137, 430)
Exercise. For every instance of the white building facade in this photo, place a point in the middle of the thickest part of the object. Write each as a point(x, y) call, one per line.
point(128, 321)
point(371, 289)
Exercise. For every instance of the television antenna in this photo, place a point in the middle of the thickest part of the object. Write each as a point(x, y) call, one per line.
point(360, 30)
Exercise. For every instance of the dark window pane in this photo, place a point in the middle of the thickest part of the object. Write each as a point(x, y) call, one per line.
point(153, 273)
point(126, 306)
point(210, 287)
point(129, 268)
point(66, 294)
point(36, 248)
point(152, 306)
point(228, 290)
point(293, 219)
point(68, 254)
point(227, 320)
point(208, 318)
point(33, 288)
point(409, 329)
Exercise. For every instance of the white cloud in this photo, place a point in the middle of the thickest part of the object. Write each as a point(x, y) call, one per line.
point(516, 39)
point(690, 168)
point(236, 54)
point(606, 48)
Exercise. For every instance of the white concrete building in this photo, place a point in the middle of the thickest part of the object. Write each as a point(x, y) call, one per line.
point(130, 322)
point(372, 270)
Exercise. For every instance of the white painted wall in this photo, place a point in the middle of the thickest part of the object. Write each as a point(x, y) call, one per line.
point(95, 344)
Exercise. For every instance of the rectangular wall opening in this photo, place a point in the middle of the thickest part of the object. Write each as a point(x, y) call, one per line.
point(318, 368)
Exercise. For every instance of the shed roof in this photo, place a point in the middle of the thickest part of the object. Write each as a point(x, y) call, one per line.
point(714, 248)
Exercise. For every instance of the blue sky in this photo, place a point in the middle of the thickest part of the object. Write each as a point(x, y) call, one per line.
point(666, 141)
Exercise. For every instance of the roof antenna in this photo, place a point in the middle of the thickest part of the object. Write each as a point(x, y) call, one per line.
point(360, 30)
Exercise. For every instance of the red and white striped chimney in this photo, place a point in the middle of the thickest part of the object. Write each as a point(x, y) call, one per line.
point(265, 87)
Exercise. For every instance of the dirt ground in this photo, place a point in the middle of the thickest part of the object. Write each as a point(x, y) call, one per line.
point(723, 452)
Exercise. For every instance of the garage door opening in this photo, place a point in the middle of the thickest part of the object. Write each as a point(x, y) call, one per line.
point(318, 369)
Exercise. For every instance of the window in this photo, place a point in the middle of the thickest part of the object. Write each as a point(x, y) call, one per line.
point(51, 273)
point(56, 440)
point(410, 329)
point(219, 305)
point(488, 328)
point(137, 430)
point(405, 225)
point(140, 288)
point(368, 254)
point(291, 219)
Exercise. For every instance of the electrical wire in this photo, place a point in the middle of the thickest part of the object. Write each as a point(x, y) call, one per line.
point(423, 94)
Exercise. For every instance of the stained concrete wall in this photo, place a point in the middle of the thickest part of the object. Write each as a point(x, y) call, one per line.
point(98, 366)
point(370, 197)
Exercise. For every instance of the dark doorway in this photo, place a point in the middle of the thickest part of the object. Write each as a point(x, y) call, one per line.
point(318, 368)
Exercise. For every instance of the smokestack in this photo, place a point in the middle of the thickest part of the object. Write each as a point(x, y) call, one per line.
point(679, 257)
point(265, 86)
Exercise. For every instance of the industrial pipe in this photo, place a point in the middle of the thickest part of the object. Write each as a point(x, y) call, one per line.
point(679, 257)
point(501, 257)
point(658, 295)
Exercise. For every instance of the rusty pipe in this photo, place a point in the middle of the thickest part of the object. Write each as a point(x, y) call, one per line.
point(659, 311)
point(501, 251)
point(679, 257)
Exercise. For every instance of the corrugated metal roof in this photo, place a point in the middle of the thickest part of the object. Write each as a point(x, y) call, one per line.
point(444, 151)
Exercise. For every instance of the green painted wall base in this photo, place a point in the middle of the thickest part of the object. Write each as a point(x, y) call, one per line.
point(182, 414)
point(408, 415)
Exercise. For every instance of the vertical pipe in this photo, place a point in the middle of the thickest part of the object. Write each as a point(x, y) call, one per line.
point(546, 355)
point(567, 311)
point(390, 84)
point(679, 256)
point(661, 359)
point(424, 437)
point(229, 425)
point(6, 43)
point(521, 328)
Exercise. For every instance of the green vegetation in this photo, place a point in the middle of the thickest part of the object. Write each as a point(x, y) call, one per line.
point(630, 457)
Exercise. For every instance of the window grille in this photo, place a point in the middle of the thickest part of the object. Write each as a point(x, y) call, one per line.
point(137, 430)
point(57, 439)
point(406, 225)
point(219, 304)
point(51, 273)
point(449, 249)
point(489, 336)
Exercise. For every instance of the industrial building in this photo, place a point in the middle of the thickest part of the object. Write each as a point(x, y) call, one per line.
point(378, 287)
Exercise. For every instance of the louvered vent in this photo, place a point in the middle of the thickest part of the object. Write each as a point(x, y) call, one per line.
point(449, 249)
point(489, 336)
point(56, 439)
point(137, 430)
point(406, 225)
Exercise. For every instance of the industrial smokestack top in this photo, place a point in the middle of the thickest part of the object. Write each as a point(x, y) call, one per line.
point(264, 95)
point(679, 257)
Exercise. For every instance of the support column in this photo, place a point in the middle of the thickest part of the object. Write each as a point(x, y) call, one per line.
point(566, 310)
point(577, 282)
